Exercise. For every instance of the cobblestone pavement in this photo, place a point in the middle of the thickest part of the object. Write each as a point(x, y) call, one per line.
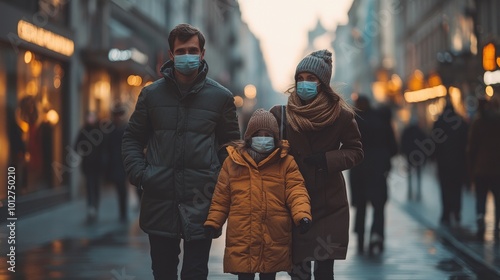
point(59, 244)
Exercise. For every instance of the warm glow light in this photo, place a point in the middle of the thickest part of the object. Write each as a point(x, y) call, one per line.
point(238, 101)
point(134, 80)
point(489, 91)
point(57, 246)
point(425, 94)
point(491, 78)
point(379, 91)
point(57, 82)
point(354, 96)
point(101, 89)
point(31, 88)
point(498, 61)
point(28, 56)
point(432, 109)
point(53, 117)
point(250, 91)
point(416, 81)
point(434, 80)
point(148, 83)
point(489, 57)
point(44, 38)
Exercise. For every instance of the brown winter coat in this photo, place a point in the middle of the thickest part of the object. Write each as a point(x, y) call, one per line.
point(329, 236)
point(259, 201)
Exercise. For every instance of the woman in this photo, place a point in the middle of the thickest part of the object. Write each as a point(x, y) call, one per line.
point(324, 140)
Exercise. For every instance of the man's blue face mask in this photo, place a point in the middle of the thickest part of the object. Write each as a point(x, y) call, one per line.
point(187, 63)
point(307, 90)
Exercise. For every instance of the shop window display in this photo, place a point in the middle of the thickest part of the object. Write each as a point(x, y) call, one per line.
point(38, 116)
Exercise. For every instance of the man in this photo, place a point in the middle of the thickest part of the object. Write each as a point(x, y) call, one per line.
point(183, 119)
point(450, 157)
point(369, 178)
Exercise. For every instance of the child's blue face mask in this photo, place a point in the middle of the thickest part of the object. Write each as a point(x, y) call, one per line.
point(307, 90)
point(187, 63)
point(262, 144)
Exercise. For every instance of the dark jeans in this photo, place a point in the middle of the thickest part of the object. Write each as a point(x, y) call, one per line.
point(483, 185)
point(165, 258)
point(262, 276)
point(121, 189)
point(411, 189)
point(92, 180)
point(451, 197)
point(323, 270)
point(376, 194)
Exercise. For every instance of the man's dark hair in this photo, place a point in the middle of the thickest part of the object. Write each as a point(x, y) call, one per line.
point(184, 32)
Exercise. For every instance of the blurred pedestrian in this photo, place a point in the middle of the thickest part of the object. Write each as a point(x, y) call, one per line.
point(115, 170)
point(415, 157)
point(183, 119)
point(324, 140)
point(368, 180)
point(89, 145)
point(261, 209)
point(483, 153)
point(449, 134)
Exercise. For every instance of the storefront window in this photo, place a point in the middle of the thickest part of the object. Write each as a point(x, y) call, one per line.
point(38, 115)
point(4, 140)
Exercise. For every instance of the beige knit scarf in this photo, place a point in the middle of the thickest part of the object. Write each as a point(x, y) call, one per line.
point(321, 112)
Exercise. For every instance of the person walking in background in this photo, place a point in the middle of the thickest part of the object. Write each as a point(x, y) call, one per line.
point(483, 158)
point(115, 170)
point(92, 162)
point(183, 119)
point(415, 158)
point(450, 132)
point(368, 180)
point(261, 191)
point(324, 140)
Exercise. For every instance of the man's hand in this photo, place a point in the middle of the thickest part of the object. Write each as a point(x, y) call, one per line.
point(211, 232)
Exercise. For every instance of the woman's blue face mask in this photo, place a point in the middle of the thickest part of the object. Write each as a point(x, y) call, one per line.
point(307, 90)
point(187, 63)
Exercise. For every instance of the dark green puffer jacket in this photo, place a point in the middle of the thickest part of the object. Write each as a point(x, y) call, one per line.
point(183, 135)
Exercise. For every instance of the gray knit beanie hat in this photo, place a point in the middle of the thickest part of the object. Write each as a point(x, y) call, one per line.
point(318, 63)
point(262, 120)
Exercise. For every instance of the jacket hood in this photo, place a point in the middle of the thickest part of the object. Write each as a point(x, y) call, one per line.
point(240, 156)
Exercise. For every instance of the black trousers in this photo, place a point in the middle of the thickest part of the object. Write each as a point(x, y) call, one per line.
point(93, 189)
point(323, 270)
point(483, 185)
point(451, 197)
point(262, 276)
point(165, 258)
point(121, 190)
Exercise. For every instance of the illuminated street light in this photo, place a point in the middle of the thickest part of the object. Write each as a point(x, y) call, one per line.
point(250, 91)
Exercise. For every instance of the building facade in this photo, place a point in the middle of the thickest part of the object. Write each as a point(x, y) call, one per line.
point(60, 59)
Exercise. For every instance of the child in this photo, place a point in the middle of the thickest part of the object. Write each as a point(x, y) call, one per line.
point(258, 189)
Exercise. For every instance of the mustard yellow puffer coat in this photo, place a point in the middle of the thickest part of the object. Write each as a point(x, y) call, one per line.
point(260, 202)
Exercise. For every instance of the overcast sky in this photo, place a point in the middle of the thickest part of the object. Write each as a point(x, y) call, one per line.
point(282, 26)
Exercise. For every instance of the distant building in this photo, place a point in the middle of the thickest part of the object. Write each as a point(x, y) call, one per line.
point(59, 59)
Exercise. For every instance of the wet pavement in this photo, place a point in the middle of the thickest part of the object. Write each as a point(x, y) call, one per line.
point(59, 244)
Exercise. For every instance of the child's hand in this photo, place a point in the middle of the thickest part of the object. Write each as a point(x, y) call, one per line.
point(211, 232)
point(305, 225)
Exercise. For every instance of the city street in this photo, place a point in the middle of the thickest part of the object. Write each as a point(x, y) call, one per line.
point(60, 244)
